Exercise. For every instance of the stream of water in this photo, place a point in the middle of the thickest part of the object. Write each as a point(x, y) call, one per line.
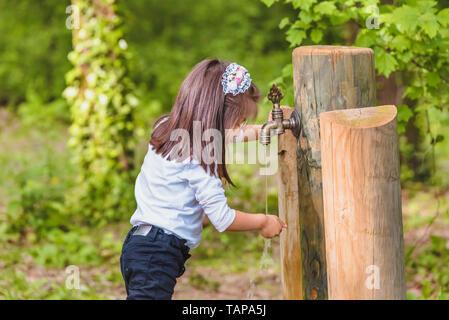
point(266, 259)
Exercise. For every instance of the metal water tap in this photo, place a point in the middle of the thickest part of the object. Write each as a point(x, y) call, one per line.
point(278, 124)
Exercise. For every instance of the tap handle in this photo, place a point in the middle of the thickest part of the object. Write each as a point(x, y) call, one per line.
point(275, 95)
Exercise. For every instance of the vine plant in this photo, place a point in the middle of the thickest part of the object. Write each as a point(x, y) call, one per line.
point(102, 108)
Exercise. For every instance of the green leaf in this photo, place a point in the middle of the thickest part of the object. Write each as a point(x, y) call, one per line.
point(316, 35)
point(295, 36)
point(385, 62)
point(302, 4)
point(443, 17)
point(413, 92)
point(426, 290)
point(366, 38)
point(287, 71)
point(438, 243)
point(386, 18)
point(305, 16)
point(429, 24)
point(432, 79)
point(284, 22)
point(401, 127)
point(406, 56)
point(269, 3)
point(406, 18)
point(339, 17)
point(404, 113)
point(300, 24)
point(325, 8)
point(423, 4)
point(423, 106)
point(437, 139)
point(400, 43)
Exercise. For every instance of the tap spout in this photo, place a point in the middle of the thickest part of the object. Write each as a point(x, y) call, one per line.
point(278, 125)
point(265, 132)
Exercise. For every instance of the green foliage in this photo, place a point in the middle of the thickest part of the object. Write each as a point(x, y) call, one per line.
point(168, 40)
point(412, 40)
point(34, 46)
point(35, 112)
point(75, 247)
point(39, 204)
point(431, 267)
point(38, 270)
point(39, 193)
point(102, 106)
point(35, 178)
point(404, 115)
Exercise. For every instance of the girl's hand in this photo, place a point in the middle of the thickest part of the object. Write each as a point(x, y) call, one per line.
point(272, 226)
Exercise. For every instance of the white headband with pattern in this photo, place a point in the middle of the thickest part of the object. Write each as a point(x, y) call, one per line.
point(235, 79)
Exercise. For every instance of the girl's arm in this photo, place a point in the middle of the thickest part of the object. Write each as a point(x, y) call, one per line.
point(269, 226)
point(248, 132)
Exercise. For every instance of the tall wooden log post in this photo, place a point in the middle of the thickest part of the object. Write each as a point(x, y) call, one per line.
point(325, 78)
point(362, 204)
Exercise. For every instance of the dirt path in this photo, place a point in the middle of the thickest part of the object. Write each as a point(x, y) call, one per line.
point(230, 286)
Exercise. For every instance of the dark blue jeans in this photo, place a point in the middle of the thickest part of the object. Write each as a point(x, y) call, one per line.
point(150, 264)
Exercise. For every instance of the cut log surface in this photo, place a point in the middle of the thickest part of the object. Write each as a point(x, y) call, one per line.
point(362, 204)
point(325, 78)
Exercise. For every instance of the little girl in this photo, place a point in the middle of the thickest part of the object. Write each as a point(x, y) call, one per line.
point(180, 180)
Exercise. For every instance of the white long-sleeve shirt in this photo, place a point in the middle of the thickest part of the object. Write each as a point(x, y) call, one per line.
point(176, 196)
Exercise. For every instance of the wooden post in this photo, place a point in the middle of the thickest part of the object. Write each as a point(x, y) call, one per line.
point(325, 78)
point(362, 204)
point(290, 246)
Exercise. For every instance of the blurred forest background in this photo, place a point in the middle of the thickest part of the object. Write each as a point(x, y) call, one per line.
point(78, 98)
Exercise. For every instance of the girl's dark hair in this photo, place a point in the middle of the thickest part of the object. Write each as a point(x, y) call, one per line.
point(201, 98)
